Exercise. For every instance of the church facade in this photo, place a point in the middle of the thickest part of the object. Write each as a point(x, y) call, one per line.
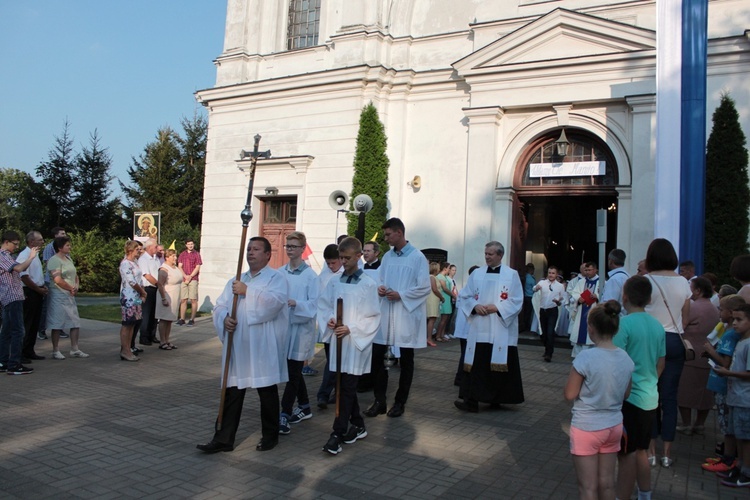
point(512, 120)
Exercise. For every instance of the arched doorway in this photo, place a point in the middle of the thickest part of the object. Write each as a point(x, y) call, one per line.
point(555, 207)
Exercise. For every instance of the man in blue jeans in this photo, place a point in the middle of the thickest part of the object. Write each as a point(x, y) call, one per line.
point(12, 298)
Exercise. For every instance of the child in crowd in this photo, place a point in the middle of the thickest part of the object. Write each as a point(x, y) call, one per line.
point(332, 269)
point(738, 398)
point(359, 323)
point(598, 383)
point(722, 356)
point(643, 338)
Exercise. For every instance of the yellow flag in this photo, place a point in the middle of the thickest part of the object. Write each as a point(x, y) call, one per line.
point(374, 238)
point(172, 247)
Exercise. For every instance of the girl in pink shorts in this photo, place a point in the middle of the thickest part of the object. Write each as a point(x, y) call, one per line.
point(598, 383)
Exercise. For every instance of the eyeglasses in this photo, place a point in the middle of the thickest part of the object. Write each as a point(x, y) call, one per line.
point(16, 243)
point(293, 247)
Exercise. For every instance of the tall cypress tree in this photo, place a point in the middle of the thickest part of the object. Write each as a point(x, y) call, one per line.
point(727, 191)
point(371, 173)
point(193, 164)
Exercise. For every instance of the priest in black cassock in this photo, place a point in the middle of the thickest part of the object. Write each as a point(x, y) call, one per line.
point(491, 300)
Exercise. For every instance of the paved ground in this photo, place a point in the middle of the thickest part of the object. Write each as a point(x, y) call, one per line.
point(102, 428)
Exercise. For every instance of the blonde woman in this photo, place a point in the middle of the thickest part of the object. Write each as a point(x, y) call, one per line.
point(132, 296)
point(168, 303)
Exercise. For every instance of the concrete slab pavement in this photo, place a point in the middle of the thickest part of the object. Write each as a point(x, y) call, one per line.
point(103, 428)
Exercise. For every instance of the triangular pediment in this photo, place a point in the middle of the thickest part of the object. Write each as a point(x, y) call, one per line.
point(561, 34)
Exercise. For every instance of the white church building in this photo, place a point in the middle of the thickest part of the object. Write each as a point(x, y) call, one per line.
point(473, 95)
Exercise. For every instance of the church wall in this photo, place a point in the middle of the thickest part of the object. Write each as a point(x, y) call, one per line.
point(462, 136)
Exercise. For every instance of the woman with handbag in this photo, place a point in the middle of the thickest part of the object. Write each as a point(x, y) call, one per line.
point(670, 305)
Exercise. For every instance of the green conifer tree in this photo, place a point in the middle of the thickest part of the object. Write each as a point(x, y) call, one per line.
point(56, 175)
point(93, 207)
point(371, 174)
point(727, 191)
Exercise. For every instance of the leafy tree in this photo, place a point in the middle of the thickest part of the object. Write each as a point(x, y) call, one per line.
point(193, 164)
point(371, 174)
point(56, 175)
point(727, 192)
point(92, 206)
point(97, 259)
point(156, 179)
point(22, 202)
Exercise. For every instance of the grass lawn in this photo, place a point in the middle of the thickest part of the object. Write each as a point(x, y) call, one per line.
point(112, 312)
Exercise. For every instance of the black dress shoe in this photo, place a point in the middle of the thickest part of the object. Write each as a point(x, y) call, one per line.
point(396, 410)
point(266, 444)
point(548, 358)
point(376, 409)
point(464, 406)
point(145, 342)
point(322, 404)
point(214, 447)
point(36, 357)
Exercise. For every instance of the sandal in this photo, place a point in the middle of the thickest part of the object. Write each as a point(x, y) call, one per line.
point(165, 347)
point(172, 345)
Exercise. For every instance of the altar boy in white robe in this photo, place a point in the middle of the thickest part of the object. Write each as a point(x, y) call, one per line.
point(491, 301)
point(404, 287)
point(303, 306)
point(360, 320)
point(259, 346)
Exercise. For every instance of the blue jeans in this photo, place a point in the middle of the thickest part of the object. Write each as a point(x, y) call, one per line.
point(11, 334)
point(666, 421)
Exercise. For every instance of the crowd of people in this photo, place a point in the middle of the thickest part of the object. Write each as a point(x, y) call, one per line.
point(648, 350)
point(40, 294)
point(369, 313)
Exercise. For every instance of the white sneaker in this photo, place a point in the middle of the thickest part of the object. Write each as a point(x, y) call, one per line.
point(57, 355)
point(79, 354)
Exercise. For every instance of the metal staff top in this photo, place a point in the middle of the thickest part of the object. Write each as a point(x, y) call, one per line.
point(247, 213)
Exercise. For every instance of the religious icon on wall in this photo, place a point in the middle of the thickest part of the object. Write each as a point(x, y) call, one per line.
point(146, 225)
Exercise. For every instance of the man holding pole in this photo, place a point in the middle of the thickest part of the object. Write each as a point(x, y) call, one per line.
point(354, 324)
point(258, 350)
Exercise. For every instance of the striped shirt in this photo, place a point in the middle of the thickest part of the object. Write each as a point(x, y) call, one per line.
point(11, 286)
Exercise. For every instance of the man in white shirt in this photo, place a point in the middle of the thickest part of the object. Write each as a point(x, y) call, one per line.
point(551, 295)
point(616, 277)
point(34, 292)
point(149, 264)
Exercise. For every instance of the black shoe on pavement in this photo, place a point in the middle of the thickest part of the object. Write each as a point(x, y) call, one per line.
point(266, 444)
point(547, 358)
point(136, 350)
point(465, 406)
point(322, 404)
point(20, 370)
point(354, 433)
point(376, 409)
point(191, 323)
point(145, 342)
point(3, 368)
point(396, 410)
point(333, 446)
point(214, 447)
point(36, 357)
point(180, 322)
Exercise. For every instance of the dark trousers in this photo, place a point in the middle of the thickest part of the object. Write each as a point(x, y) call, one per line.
point(674, 361)
point(547, 324)
point(380, 374)
point(32, 316)
point(348, 406)
point(296, 388)
point(148, 324)
point(11, 334)
point(269, 414)
point(460, 372)
point(328, 384)
point(136, 327)
point(526, 315)
point(43, 314)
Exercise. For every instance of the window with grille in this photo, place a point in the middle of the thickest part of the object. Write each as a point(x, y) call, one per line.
point(304, 24)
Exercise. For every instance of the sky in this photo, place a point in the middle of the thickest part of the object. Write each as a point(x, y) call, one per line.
point(122, 68)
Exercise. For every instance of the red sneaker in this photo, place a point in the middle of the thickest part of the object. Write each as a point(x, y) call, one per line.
point(719, 466)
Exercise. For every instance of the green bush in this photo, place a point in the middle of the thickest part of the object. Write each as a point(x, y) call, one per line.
point(97, 261)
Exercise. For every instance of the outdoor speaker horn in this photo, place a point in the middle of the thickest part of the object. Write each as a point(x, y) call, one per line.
point(338, 200)
point(363, 203)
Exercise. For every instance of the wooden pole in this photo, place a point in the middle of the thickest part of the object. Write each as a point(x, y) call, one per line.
point(339, 341)
point(247, 216)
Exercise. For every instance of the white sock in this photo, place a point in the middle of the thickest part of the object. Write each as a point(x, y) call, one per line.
point(644, 495)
